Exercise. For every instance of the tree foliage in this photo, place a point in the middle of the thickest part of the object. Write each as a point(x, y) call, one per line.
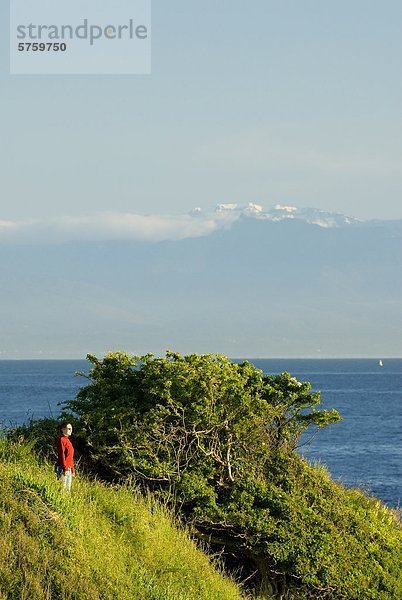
point(210, 434)
point(198, 416)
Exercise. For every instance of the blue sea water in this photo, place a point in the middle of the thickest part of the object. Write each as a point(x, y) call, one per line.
point(364, 449)
point(34, 388)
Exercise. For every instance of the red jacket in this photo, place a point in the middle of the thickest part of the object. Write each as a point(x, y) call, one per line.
point(65, 453)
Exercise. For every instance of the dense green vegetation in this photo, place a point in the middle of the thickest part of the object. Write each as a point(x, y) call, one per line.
point(217, 442)
point(99, 543)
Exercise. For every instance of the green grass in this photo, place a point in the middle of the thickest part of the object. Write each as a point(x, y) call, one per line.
point(103, 542)
point(341, 543)
point(99, 542)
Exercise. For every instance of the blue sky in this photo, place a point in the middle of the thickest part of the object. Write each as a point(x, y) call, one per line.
point(294, 102)
point(290, 102)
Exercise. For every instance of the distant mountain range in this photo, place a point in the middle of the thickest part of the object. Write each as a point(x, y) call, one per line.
point(285, 282)
point(279, 212)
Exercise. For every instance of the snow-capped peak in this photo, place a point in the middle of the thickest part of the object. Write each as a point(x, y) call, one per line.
point(253, 209)
point(281, 207)
point(281, 212)
point(221, 208)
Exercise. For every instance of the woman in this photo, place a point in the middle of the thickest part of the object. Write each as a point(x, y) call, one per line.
point(65, 456)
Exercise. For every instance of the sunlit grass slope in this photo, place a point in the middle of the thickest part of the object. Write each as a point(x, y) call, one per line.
point(98, 543)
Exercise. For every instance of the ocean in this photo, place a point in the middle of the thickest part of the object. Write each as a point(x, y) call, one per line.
point(364, 449)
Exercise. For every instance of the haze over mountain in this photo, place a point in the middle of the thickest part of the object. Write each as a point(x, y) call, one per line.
point(243, 281)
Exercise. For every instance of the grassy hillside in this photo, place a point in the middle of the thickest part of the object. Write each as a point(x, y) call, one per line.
point(97, 543)
point(110, 543)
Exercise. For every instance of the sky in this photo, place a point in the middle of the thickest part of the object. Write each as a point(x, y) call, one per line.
point(270, 102)
point(294, 102)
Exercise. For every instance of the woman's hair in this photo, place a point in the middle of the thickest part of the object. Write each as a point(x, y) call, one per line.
point(61, 426)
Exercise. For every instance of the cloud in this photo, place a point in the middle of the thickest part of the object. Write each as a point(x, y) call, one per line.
point(114, 226)
point(7, 225)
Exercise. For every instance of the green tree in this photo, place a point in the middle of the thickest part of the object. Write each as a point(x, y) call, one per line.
point(216, 438)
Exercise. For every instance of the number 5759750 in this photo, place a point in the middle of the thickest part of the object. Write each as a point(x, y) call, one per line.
point(42, 47)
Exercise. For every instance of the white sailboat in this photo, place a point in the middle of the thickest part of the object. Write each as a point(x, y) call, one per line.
point(380, 363)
